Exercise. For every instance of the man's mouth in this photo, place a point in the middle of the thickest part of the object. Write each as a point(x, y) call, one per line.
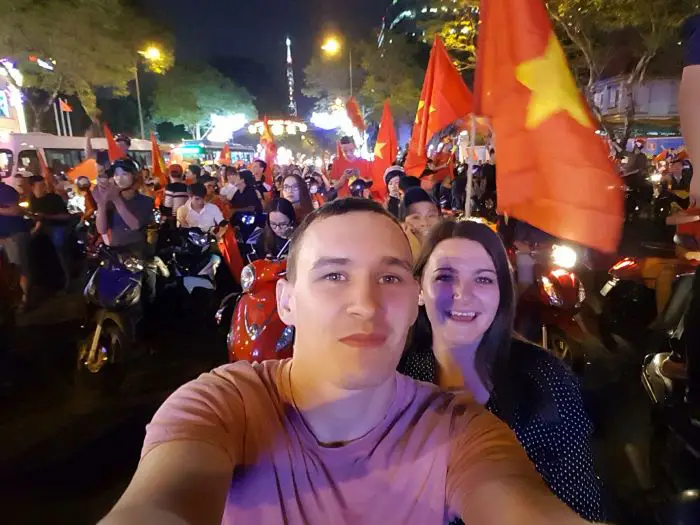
point(361, 340)
point(462, 316)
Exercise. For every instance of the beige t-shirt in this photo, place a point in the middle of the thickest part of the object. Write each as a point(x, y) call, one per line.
point(417, 466)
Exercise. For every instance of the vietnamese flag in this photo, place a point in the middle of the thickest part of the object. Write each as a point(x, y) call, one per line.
point(113, 150)
point(158, 171)
point(87, 168)
point(384, 151)
point(352, 108)
point(267, 141)
point(44, 171)
point(553, 170)
point(444, 98)
point(225, 155)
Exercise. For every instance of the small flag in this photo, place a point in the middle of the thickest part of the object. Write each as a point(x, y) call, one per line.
point(384, 151)
point(64, 106)
point(114, 151)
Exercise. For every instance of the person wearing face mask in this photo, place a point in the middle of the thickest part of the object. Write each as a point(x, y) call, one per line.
point(122, 212)
point(418, 213)
point(281, 221)
point(463, 340)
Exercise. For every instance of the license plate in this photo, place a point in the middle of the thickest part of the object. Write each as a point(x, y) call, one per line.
point(608, 286)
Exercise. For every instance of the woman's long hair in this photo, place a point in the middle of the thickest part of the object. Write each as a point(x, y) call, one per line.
point(493, 354)
point(284, 207)
point(305, 205)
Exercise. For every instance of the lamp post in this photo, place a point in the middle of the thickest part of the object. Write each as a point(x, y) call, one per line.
point(151, 53)
point(332, 47)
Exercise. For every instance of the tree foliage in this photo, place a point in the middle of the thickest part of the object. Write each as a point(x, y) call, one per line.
point(91, 44)
point(189, 94)
point(458, 30)
point(390, 72)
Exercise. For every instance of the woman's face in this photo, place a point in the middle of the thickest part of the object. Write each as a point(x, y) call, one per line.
point(459, 288)
point(421, 217)
point(280, 224)
point(291, 190)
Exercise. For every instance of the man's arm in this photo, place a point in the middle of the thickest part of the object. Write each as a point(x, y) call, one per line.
point(129, 218)
point(177, 483)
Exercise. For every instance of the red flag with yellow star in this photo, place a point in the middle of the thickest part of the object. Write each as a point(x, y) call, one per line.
point(384, 151)
point(553, 170)
point(225, 155)
point(444, 98)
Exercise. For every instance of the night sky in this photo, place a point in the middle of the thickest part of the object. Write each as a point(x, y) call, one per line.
point(245, 39)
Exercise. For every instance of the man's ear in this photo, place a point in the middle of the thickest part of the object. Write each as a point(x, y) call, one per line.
point(421, 299)
point(285, 301)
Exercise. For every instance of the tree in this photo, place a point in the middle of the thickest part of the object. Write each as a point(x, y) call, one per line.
point(190, 93)
point(327, 79)
point(391, 72)
point(87, 44)
point(458, 30)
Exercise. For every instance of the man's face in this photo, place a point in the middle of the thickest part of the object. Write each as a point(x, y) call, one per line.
point(197, 203)
point(39, 189)
point(348, 150)
point(257, 170)
point(353, 300)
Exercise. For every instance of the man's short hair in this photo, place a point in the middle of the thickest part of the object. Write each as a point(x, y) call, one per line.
point(197, 190)
point(231, 170)
point(34, 179)
point(195, 169)
point(334, 208)
point(262, 163)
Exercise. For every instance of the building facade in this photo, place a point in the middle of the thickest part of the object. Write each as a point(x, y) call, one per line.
point(406, 16)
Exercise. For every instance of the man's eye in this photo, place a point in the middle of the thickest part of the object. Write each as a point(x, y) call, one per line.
point(333, 277)
point(391, 279)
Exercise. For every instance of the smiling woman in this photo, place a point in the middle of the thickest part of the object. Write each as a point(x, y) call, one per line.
point(463, 341)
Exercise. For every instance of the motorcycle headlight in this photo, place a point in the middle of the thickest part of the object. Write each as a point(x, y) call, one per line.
point(247, 278)
point(285, 339)
point(133, 264)
point(564, 256)
point(548, 287)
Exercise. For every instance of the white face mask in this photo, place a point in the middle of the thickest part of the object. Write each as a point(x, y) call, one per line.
point(123, 181)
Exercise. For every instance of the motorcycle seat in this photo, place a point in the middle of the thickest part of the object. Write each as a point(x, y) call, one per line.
point(673, 313)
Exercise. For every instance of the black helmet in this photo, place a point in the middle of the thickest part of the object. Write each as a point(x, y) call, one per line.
point(121, 137)
point(125, 164)
point(360, 185)
point(82, 183)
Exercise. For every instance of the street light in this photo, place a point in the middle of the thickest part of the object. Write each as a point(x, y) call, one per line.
point(331, 47)
point(150, 54)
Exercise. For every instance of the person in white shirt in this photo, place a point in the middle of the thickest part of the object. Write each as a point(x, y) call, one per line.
point(197, 213)
point(230, 188)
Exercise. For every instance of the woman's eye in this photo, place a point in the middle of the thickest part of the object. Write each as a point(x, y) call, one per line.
point(484, 280)
point(444, 278)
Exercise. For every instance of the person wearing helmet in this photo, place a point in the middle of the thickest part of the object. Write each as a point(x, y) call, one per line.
point(122, 212)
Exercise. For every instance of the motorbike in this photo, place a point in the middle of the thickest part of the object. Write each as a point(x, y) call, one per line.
point(237, 245)
point(256, 332)
point(675, 444)
point(115, 305)
point(187, 253)
point(548, 310)
point(630, 317)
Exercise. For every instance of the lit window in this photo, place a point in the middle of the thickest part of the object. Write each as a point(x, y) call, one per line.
point(433, 10)
point(444, 9)
point(424, 10)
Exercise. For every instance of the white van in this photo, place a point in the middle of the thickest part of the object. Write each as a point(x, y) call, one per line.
point(18, 152)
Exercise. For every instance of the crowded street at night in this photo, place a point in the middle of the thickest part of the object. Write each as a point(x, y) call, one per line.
point(372, 262)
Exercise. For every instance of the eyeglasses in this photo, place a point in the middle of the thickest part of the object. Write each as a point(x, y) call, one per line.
point(294, 187)
point(279, 225)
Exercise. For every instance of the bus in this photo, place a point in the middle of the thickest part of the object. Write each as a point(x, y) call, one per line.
point(204, 152)
point(18, 151)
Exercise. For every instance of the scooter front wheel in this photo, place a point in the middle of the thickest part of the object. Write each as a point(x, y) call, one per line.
point(99, 356)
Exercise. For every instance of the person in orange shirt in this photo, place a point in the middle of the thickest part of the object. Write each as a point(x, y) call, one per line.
point(349, 167)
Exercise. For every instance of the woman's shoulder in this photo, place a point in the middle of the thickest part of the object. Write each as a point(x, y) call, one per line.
point(550, 388)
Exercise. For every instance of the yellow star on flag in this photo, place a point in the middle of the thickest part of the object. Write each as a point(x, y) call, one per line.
point(378, 147)
point(553, 87)
point(421, 104)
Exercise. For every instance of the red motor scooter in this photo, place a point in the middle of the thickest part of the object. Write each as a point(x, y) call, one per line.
point(547, 311)
point(257, 333)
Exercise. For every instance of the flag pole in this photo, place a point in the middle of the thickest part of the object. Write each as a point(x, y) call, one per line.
point(470, 167)
point(55, 114)
point(70, 124)
point(65, 122)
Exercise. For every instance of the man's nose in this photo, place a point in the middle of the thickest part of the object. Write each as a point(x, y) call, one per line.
point(365, 299)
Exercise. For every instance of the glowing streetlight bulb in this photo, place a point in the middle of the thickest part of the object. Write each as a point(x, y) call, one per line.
point(151, 53)
point(331, 46)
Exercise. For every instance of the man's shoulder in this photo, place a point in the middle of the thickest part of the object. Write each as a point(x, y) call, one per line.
point(176, 187)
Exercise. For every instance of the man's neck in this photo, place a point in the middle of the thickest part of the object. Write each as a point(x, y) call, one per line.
point(127, 195)
point(335, 415)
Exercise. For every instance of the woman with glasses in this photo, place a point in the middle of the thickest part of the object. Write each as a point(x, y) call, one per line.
point(295, 190)
point(281, 221)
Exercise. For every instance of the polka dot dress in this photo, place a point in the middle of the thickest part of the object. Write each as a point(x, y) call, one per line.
point(549, 420)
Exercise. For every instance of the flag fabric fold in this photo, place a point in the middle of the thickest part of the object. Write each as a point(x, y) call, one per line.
point(87, 168)
point(444, 98)
point(267, 141)
point(385, 151)
point(225, 155)
point(158, 171)
point(354, 114)
point(553, 170)
point(113, 150)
